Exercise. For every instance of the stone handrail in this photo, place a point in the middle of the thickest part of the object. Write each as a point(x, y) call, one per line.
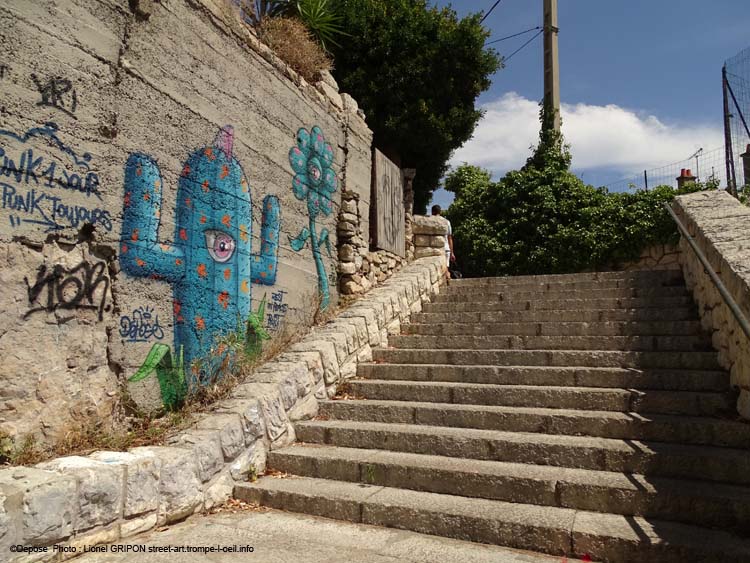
point(718, 224)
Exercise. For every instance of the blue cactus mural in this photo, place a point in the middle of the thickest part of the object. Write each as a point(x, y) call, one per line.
point(314, 181)
point(210, 264)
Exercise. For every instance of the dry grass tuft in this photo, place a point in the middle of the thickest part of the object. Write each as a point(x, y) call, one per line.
point(293, 43)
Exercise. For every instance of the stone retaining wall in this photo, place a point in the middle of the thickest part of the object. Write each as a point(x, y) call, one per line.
point(359, 268)
point(719, 225)
point(154, 158)
point(77, 501)
point(429, 236)
point(656, 257)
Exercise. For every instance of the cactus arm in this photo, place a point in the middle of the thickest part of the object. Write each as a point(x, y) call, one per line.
point(265, 264)
point(140, 251)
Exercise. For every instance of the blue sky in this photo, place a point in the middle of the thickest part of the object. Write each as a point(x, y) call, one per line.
point(640, 82)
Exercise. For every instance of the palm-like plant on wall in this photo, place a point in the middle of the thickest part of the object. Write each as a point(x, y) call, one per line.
point(318, 15)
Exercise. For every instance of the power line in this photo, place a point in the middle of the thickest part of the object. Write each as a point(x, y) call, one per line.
point(514, 35)
point(506, 59)
point(484, 17)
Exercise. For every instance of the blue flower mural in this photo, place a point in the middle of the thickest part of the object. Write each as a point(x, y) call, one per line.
point(314, 181)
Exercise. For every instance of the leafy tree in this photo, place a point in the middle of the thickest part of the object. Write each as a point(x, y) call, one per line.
point(544, 219)
point(416, 71)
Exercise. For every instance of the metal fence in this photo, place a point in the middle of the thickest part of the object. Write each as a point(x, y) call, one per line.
point(736, 85)
point(704, 165)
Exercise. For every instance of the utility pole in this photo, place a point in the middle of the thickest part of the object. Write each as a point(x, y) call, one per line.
point(551, 60)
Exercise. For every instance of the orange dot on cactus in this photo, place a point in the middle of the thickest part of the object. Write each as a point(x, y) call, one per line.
point(186, 170)
point(138, 170)
point(124, 249)
point(204, 185)
point(134, 235)
point(203, 219)
point(178, 262)
point(209, 153)
point(183, 234)
point(188, 202)
point(224, 172)
point(200, 324)
point(140, 262)
point(244, 286)
point(157, 184)
point(226, 221)
point(262, 274)
point(202, 270)
point(227, 273)
point(146, 196)
point(224, 299)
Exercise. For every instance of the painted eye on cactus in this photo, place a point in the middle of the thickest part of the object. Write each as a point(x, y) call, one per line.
point(220, 245)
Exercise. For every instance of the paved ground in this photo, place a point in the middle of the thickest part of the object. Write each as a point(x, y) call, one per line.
point(281, 537)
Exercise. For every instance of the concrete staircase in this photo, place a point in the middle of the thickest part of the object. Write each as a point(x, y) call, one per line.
point(571, 415)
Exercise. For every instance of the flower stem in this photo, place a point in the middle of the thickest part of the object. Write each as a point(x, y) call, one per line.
point(322, 277)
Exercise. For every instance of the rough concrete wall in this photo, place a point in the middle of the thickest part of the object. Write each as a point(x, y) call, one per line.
point(130, 142)
point(718, 224)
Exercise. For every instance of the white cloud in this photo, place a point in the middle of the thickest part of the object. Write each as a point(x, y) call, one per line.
point(611, 137)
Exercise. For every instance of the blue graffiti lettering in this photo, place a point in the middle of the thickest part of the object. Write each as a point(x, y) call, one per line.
point(38, 208)
point(141, 326)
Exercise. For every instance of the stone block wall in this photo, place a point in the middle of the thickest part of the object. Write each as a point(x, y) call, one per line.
point(156, 169)
point(429, 236)
point(74, 502)
point(359, 267)
point(656, 257)
point(719, 225)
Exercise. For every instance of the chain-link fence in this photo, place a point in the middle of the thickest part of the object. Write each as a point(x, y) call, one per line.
point(707, 166)
point(736, 83)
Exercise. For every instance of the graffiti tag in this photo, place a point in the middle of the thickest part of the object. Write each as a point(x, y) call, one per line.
point(63, 288)
point(141, 326)
point(277, 310)
point(58, 93)
point(34, 183)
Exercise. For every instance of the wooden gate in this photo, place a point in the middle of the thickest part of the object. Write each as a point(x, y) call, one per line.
point(388, 212)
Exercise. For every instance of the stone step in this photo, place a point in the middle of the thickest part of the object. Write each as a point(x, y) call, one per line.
point(552, 397)
point(692, 502)
point(551, 315)
point(578, 358)
point(629, 378)
point(724, 465)
point(533, 286)
point(661, 277)
point(697, 430)
point(612, 328)
point(557, 531)
point(512, 295)
point(543, 304)
point(701, 343)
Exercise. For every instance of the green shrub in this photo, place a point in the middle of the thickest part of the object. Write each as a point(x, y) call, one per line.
point(542, 219)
